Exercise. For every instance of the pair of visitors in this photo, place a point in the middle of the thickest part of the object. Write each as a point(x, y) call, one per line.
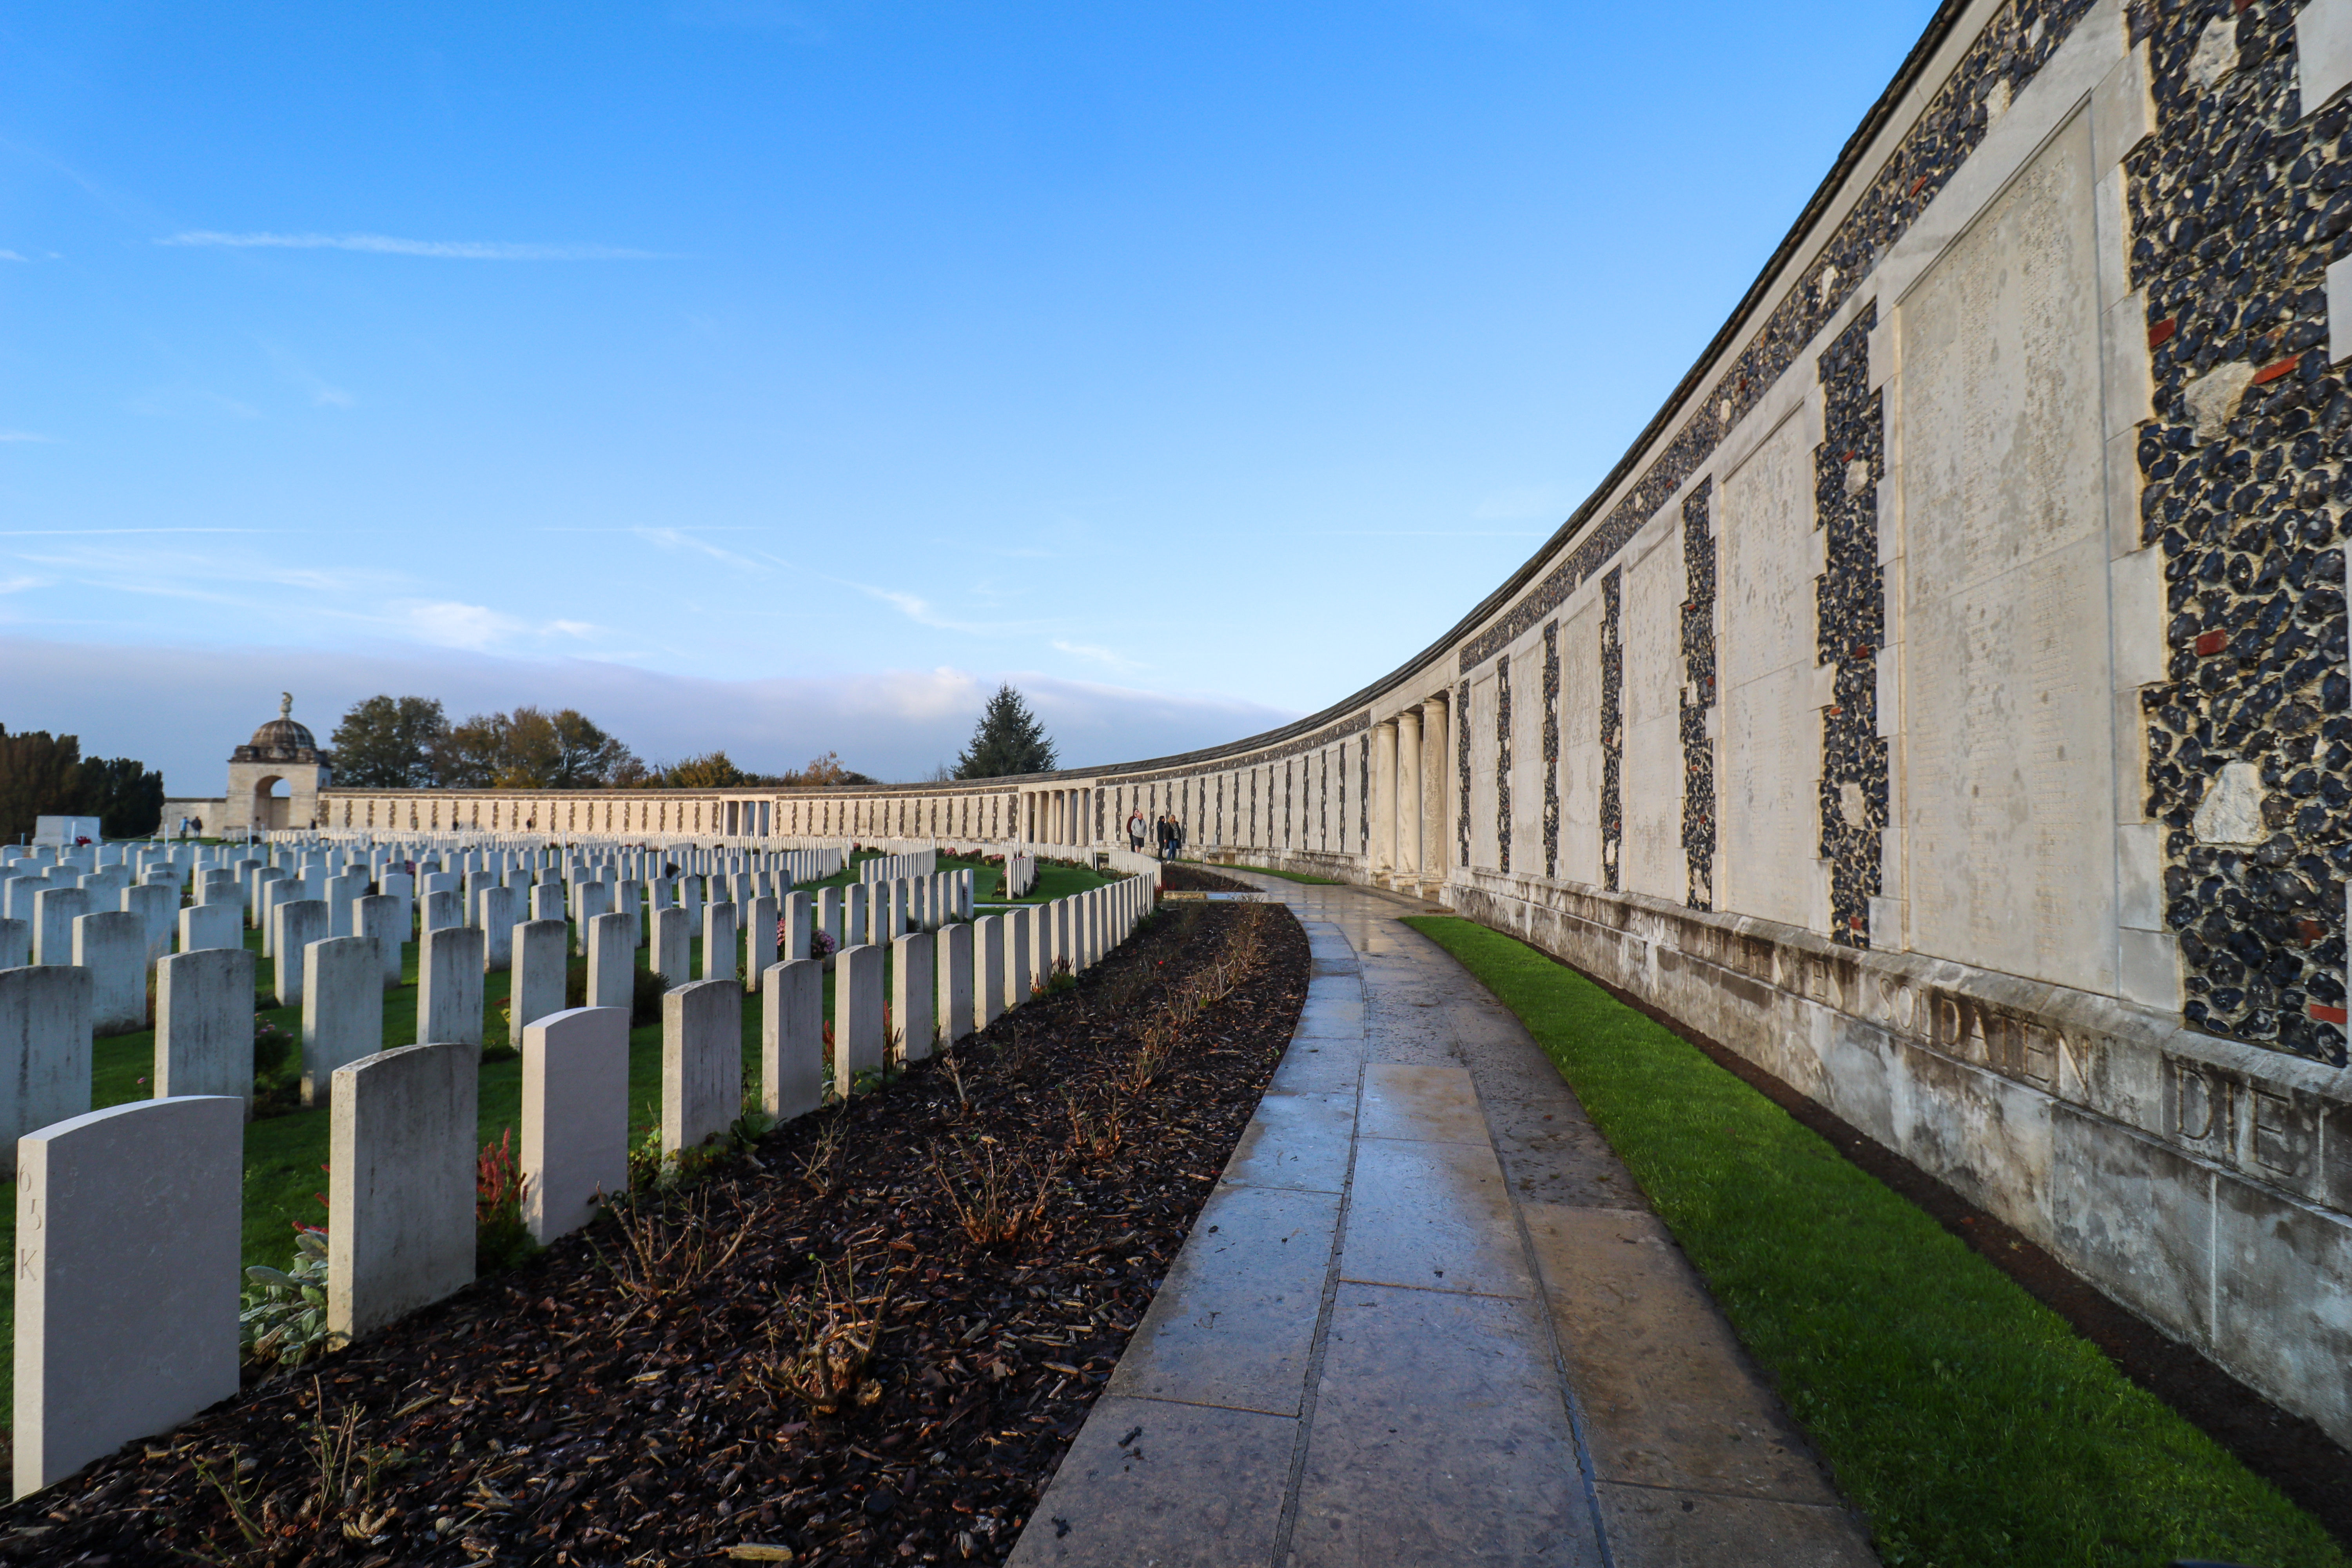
point(1171, 836)
point(1135, 830)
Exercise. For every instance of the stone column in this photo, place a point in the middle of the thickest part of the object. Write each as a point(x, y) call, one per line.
point(128, 1222)
point(792, 1037)
point(702, 1062)
point(1383, 805)
point(342, 1008)
point(1407, 859)
point(400, 1177)
point(204, 1023)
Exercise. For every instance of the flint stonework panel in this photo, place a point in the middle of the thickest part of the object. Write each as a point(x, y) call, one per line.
point(2008, 793)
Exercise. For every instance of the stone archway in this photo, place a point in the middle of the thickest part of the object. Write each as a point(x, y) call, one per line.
point(267, 808)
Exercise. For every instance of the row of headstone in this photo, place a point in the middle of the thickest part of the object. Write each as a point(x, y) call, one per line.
point(1020, 874)
point(128, 1220)
point(884, 868)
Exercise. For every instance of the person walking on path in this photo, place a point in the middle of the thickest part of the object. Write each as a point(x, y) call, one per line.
point(1135, 830)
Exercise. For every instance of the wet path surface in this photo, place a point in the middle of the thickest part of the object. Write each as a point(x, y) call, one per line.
point(1427, 1317)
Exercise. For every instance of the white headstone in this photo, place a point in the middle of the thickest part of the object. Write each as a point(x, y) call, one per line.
point(297, 923)
point(719, 944)
point(158, 909)
point(1019, 967)
point(443, 911)
point(673, 952)
point(613, 961)
point(449, 986)
point(377, 918)
point(575, 1112)
point(112, 946)
point(758, 939)
point(828, 915)
point(799, 917)
point(955, 1014)
point(55, 909)
point(914, 989)
point(496, 919)
point(857, 1036)
point(16, 944)
point(792, 1038)
point(399, 1181)
point(988, 969)
point(541, 957)
point(204, 1022)
point(343, 1007)
point(128, 1223)
point(702, 1061)
point(547, 902)
point(43, 1051)
point(341, 893)
point(857, 916)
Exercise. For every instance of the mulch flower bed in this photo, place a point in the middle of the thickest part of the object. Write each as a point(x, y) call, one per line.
point(871, 1340)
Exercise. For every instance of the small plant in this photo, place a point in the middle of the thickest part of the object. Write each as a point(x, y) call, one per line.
point(284, 1316)
point(501, 1240)
point(349, 1473)
point(820, 944)
point(837, 1331)
point(1095, 1137)
point(983, 1202)
point(233, 1481)
point(670, 1247)
point(952, 1065)
point(820, 1163)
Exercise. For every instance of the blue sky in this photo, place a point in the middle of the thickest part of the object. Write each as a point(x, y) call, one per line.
point(780, 377)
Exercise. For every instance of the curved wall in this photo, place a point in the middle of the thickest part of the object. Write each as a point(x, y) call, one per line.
point(1943, 702)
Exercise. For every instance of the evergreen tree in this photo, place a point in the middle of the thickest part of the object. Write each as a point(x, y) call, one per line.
point(125, 796)
point(389, 742)
point(1008, 739)
point(40, 775)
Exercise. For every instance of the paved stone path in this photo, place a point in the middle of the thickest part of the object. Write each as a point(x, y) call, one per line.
point(1427, 1317)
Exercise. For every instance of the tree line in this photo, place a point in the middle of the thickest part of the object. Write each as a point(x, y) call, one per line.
point(42, 774)
point(408, 743)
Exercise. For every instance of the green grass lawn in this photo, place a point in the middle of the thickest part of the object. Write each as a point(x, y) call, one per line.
point(1967, 1420)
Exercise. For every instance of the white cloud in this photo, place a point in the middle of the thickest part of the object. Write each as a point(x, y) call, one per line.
point(27, 436)
point(1100, 655)
point(23, 584)
point(677, 539)
point(188, 403)
point(12, 256)
point(448, 623)
point(181, 709)
point(443, 249)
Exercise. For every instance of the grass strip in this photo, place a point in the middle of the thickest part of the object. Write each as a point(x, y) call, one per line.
point(1966, 1419)
point(1265, 871)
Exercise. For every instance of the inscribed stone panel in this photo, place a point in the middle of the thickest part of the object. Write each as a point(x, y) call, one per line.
point(1580, 744)
point(1769, 833)
point(1485, 847)
point(1526, 758)
point(1653, 793)
point(2008, 745)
